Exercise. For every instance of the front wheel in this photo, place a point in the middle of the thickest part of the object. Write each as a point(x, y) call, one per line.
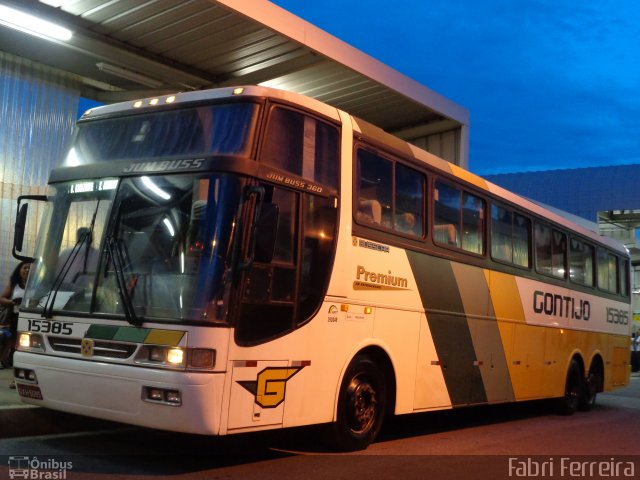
point(361, 405)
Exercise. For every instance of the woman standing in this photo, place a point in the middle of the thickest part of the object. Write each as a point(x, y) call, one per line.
point(11, 298)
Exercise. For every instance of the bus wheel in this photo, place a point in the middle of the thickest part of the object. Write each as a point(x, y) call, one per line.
point(573, 390)
point(361, 405)
point(588, 397)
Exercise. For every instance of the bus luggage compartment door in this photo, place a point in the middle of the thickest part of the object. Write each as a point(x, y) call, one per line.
point(257, 393)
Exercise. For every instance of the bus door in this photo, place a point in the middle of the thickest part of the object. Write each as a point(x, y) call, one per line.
point(281, 285)
point(257, 397)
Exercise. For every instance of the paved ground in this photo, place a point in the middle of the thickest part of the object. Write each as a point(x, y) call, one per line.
point(8, 397)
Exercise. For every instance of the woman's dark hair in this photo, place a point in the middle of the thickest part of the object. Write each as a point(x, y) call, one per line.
point(15, 276)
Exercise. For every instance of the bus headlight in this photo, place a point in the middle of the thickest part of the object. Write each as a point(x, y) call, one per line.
point(28, 341)
point(161, 356)
point(164, 356)
point(171, 356)
point(157, 354)
point(175, 356)
point(24, 340)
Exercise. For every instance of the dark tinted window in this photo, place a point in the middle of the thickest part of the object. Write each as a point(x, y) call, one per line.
point(551, 251)
point(389, 194)
point(459, 218)
point(581, 262)
point(302, 145)
point(216, 129)
point(607, 271)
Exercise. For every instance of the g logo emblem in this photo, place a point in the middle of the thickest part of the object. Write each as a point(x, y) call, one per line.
point(269, 388)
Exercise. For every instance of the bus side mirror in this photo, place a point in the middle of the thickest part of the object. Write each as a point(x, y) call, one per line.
point(265, 232)
point(21, 225)
point(21, 222)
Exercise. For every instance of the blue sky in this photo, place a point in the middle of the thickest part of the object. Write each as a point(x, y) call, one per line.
point(549, 83)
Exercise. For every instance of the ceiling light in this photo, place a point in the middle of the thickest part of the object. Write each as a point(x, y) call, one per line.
point(129, 75)
point(154, 188)
point(32, 25)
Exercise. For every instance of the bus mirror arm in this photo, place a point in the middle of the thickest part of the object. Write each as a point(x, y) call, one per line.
point(21, 223)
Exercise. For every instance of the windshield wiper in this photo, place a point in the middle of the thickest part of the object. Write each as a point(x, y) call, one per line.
point(47, 311)
point(127, 304)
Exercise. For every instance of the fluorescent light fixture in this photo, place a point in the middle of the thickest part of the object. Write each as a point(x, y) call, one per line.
point(72, 160)
point(154, 188)
point(167, 223)
point(129, 75)
point(32, 25)
point(81, 187)
point(108, 185)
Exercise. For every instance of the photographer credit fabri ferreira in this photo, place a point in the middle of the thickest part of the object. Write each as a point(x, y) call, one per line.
point(555, 467)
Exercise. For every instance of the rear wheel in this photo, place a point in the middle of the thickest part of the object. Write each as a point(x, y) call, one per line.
point(589, 392)
point(573, 391)
point(361, 405)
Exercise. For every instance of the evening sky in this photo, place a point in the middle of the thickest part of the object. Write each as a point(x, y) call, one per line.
point(548, 83)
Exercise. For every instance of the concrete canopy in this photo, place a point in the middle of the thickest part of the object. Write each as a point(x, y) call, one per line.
point(136, 48)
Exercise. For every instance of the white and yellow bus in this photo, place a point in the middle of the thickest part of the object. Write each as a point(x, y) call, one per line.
point(236, 260)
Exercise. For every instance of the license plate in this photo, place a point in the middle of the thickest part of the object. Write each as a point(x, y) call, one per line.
point(29, 391)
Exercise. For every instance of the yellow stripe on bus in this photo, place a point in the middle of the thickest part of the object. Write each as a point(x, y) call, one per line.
point(467, 176)
point(164, 337)
point(505, 296)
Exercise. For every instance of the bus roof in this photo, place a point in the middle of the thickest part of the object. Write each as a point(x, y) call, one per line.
point(362, 127)
point(149, 103)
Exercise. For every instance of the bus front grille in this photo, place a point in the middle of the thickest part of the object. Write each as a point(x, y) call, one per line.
point(101, 348)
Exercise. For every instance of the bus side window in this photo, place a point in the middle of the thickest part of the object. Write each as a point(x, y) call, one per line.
point(446, 233)
point(302, 145)
point(581, 261)
point(408, 200)
point(447, 215)
point(607, 271)
point(501, 234)
point(370, 211)
point(559, 254)
point(551, 251)
point(473, 216)
point(521, 240)
point(459, 218)
point(624, 276)
point(374, 195)
point(510, 236)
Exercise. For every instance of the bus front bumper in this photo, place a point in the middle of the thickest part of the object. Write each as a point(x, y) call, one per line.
point(178, 401)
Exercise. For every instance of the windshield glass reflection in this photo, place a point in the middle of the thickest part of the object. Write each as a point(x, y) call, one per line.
point(163, 255)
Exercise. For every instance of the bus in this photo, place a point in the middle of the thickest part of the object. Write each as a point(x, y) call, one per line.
point(242, 259)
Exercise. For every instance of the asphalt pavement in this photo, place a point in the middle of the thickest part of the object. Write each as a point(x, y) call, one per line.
point(18, 419)
point(9, 398)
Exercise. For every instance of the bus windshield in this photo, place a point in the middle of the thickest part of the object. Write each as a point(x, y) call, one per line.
point(162, 256)
point(208, 130)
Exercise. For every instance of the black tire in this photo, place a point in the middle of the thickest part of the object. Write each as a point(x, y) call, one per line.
point(573, 390)
point(590, 390)
point(361, 406)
